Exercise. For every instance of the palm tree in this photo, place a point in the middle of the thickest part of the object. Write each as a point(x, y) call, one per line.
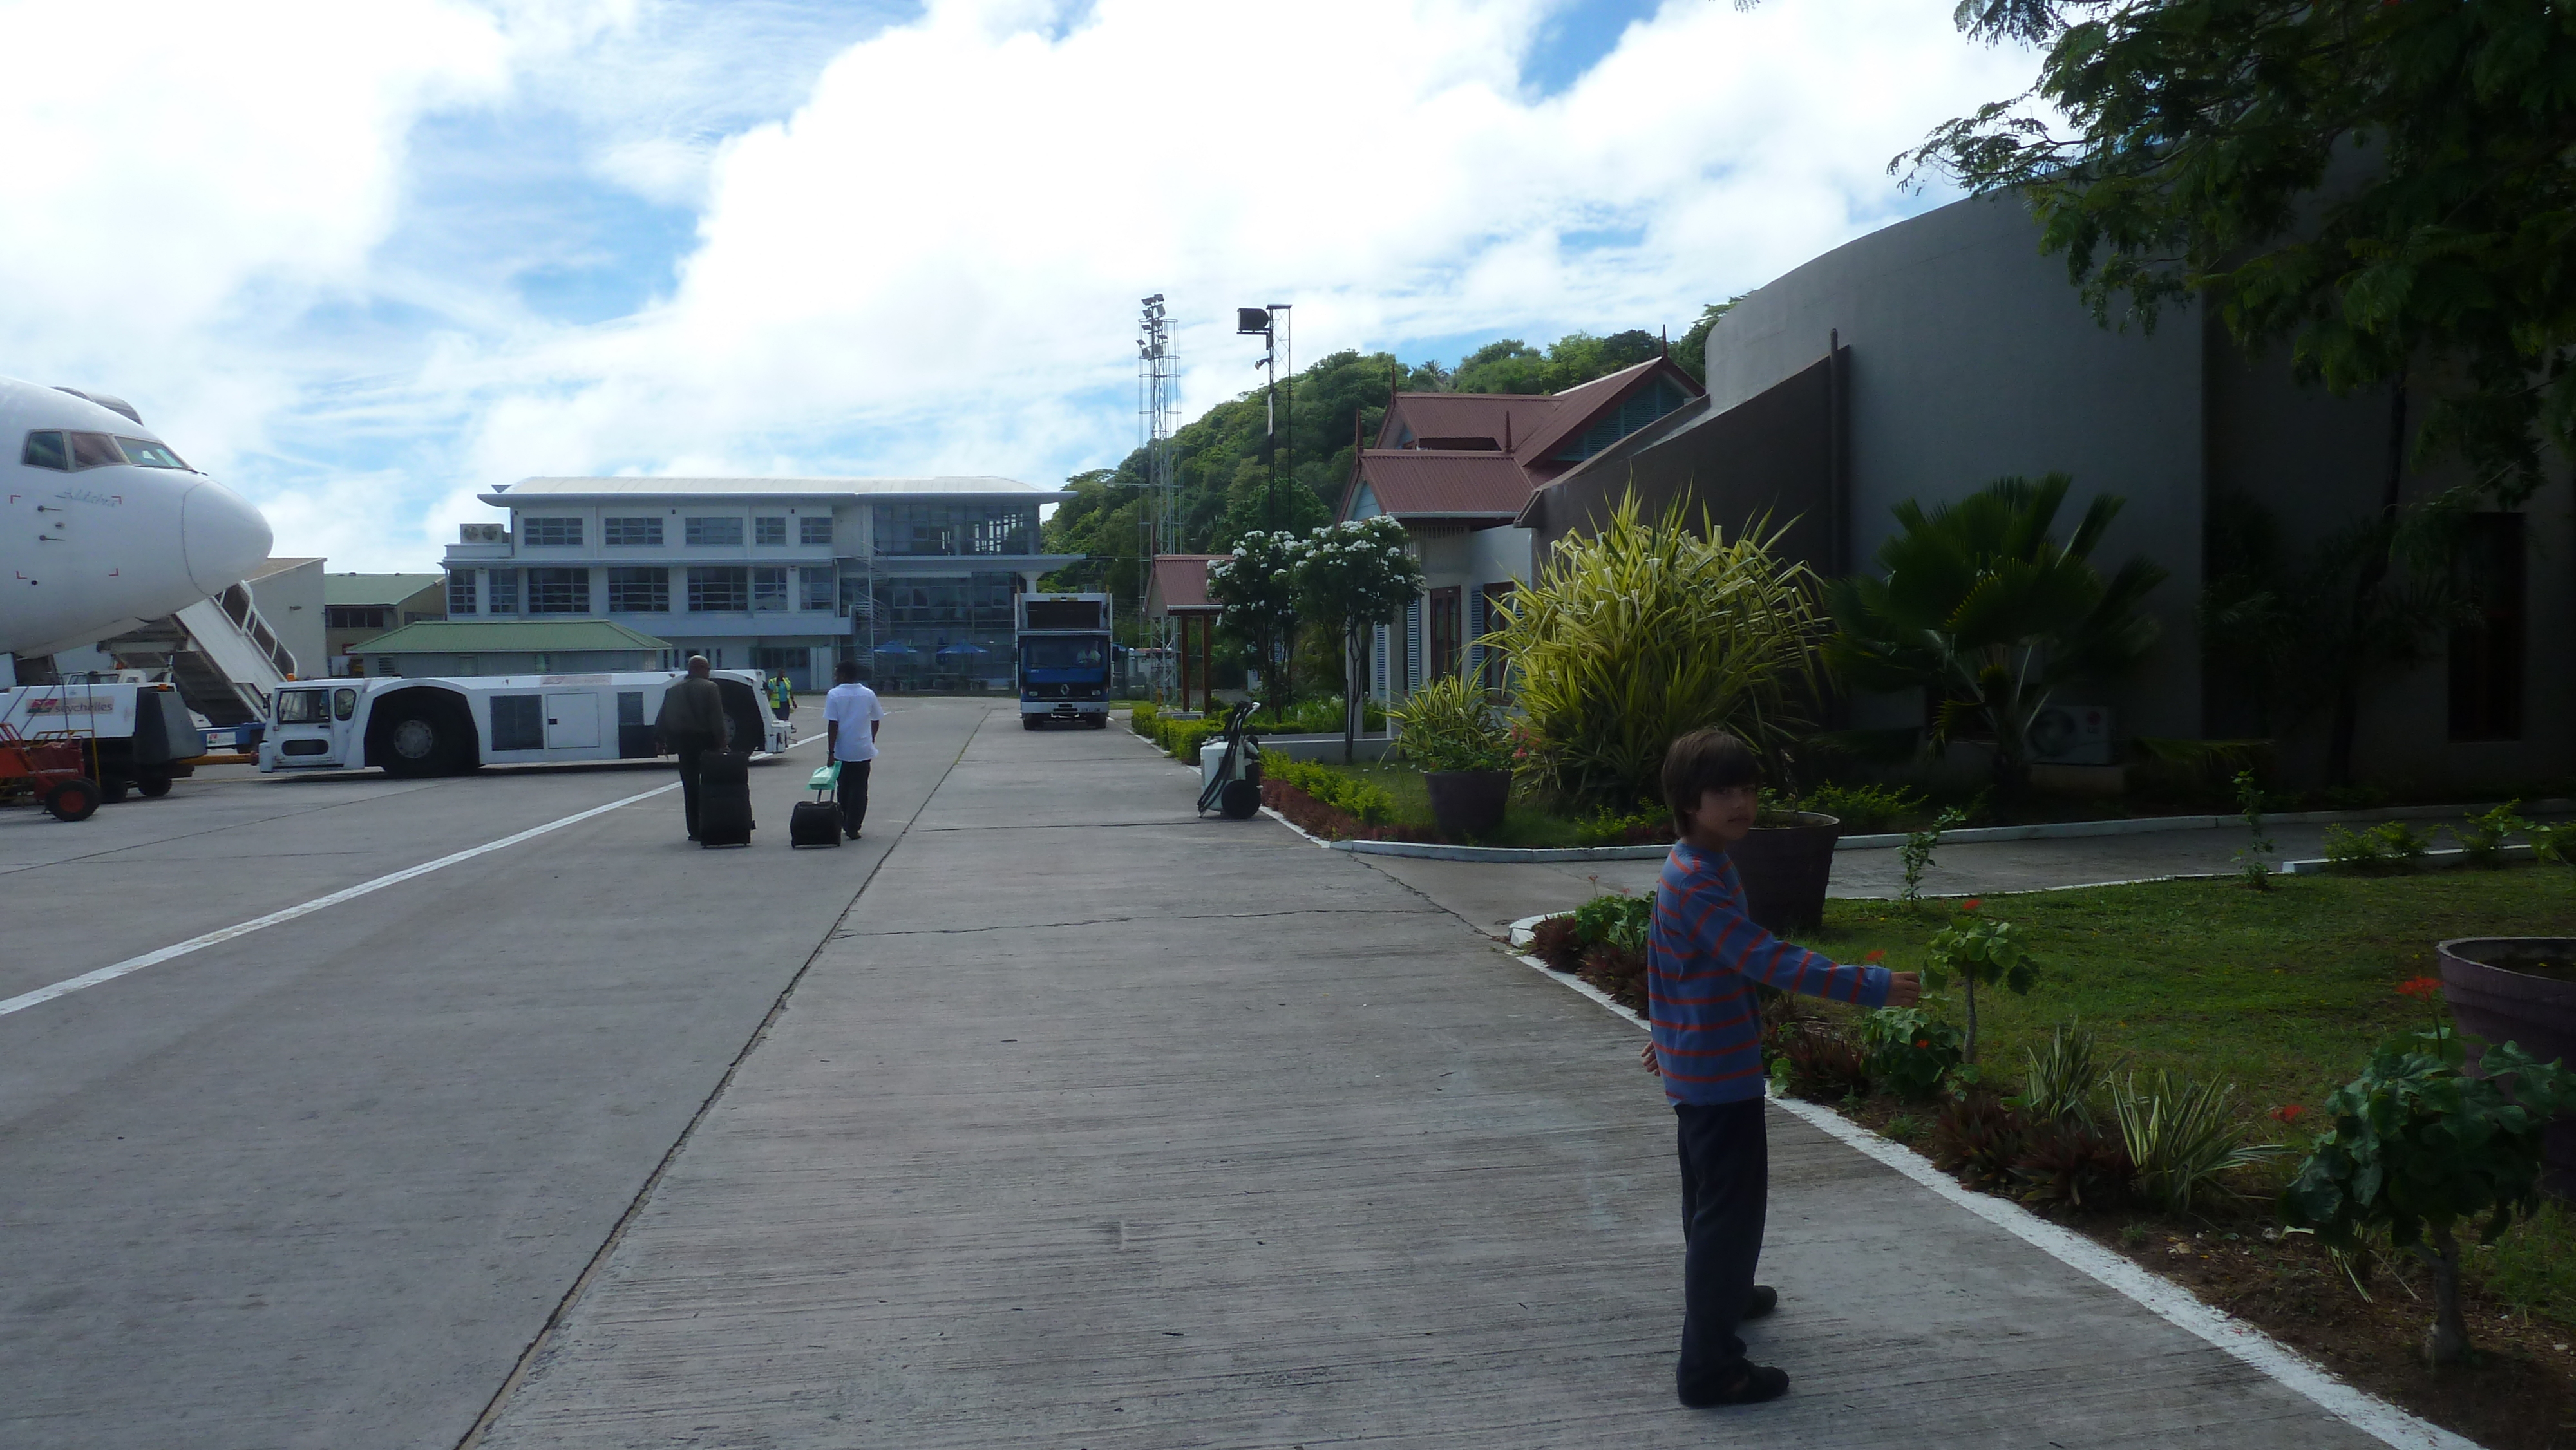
point(1981, 607)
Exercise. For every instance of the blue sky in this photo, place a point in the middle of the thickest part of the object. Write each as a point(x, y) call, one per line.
point(364, 262)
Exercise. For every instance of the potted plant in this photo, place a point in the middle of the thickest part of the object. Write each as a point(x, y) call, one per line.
point(1454, 735)
point(2519, 989)
point(1785, 862)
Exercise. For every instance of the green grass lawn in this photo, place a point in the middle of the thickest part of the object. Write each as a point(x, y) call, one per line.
point(1523, 823)
point(2282, 993)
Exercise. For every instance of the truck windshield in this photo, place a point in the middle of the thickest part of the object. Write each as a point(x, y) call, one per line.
point(1045, 653)
point(303, 707)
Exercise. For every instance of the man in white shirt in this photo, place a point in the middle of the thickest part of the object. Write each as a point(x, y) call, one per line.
point(851, 716)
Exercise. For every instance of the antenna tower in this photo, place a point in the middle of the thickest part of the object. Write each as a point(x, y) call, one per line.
point(1158, 389)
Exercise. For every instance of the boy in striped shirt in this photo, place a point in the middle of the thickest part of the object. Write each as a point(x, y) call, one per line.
point(1703, 956)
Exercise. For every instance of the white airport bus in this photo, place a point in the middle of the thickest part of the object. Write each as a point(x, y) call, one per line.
point(445, 725)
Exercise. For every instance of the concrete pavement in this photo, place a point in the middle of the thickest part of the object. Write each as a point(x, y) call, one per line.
point(1098, 1124)
point(320, 1185)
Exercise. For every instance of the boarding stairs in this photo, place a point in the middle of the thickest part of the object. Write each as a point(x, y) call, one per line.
point(223, 657)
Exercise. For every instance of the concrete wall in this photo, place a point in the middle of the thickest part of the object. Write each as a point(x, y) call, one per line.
point(1972, 358)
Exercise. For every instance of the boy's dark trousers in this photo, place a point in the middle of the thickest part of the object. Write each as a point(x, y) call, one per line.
point(854, 795)
point(1726, 1178)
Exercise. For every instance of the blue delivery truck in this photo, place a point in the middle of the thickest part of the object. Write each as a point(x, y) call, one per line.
point(1064, 659)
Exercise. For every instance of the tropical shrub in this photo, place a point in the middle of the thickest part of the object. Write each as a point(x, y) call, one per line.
point(2390, 845)
point(1619, 971)
point(1811, 1060)
point(2059, 1086)
point(1979, 1136)
point(1863, 808)
point(1915, 856)
point(1255, 589)
point(1647, 631)
point(2251, 864)
point(1142, 718)
point(1978, 949)
point(1350, 576)
point(1449, 724)
point(1910, 1051)
point(1343, 792)
point(2417, 1145)
point(1617, 918)
point(1979, 605)
point(2482, 836)
point(2185, 1140)
point(2072, 1163)
point(1558, 942)
point(1610, 827)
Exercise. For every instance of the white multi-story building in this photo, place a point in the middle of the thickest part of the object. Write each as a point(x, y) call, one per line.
point(912, 577)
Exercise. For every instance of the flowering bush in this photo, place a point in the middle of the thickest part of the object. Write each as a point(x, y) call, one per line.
point(1910, 1051)
point(1978, 949)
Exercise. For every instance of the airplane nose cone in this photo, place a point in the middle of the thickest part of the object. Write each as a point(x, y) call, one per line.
point(225, 537)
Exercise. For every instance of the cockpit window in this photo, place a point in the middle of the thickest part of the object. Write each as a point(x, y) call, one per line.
point(93, 450)
point(45, 450)
point(144, 453)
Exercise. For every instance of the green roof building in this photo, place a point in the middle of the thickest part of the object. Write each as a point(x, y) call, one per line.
point(514, 647)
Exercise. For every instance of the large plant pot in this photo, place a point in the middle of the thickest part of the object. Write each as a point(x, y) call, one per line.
point(1468, 802)
point(2522, 990)
point(1784, 870)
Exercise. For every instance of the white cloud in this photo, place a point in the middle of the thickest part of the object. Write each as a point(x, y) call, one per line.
point(918, 252)
point(947, 240)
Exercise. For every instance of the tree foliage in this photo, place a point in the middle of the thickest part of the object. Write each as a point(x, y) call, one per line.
point(1648, 631)
point(1350, 576)
point(1978, 604)
point(2377, 183)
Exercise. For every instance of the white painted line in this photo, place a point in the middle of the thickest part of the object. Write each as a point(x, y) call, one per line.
point(2285, 1366)
point(130, 965)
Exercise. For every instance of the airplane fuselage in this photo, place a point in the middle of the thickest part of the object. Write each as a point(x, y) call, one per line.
point(103, 525)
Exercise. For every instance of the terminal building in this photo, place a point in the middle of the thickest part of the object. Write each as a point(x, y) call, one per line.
point(912, 577)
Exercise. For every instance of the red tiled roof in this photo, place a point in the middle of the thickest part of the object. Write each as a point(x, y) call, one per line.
point(1416, 483)
point(1179, 584)
point(1577, 405)
point(1466, 415)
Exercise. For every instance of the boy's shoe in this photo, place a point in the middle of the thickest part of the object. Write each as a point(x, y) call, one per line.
point(1746, 1384)
point(1762, 1301)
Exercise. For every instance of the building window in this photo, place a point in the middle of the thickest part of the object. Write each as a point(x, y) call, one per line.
point(356, 616)
point(769, 589)
point(639, 591)
point(714, 532)
point(644, 533)
point(720, 590)
point(814, 583)
point(814, 529)
point(460, 592)
point(769, 533)
point(550, 533)
point(2486, 651)
point(559, 591)
point(503, 587)
point(954, 529)
point(1445, 658)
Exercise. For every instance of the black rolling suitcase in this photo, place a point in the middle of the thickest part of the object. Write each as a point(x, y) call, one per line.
point(724, 799)
point(817, 822)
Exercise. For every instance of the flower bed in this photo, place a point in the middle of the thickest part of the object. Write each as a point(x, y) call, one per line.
point(2281, 995)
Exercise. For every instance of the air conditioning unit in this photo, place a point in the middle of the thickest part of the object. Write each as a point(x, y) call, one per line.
point(2072, 735)
point(483, 533)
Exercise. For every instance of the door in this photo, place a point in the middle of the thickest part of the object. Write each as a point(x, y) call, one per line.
point(1445, 634)
point(572, 721)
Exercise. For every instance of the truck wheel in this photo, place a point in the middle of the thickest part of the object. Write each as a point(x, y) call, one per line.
point(153, 786)
point(419, 744)
point(1032, 722)
point(1100, 721)
point(73, 800)
point(112, 789)
point(1239, 801)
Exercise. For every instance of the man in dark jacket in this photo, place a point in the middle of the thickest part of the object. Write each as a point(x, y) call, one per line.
point(692, 723)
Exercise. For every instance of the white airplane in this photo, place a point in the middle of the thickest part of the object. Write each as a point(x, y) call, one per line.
point(104, 526)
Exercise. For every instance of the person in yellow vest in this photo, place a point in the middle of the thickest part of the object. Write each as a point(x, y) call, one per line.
point(782, 695)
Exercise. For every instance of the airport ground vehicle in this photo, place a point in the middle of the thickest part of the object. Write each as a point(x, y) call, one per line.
point(130, 737)
point(50, 772)
point(447, 725)
point(1063, 658)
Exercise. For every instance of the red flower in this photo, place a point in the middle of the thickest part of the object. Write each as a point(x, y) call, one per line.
point(1923, 1042)
point(1876, 955)
point(2288, 1112)
point(1972, 903)
point(2422, 989)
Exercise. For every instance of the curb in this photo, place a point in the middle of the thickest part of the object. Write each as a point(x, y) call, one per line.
point(1964, 835)
point(2447, 857)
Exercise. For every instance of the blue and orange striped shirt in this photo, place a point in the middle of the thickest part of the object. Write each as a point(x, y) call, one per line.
point(1702, 957)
